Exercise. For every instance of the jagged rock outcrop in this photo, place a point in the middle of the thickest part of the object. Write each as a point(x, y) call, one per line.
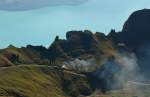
point(77, 43)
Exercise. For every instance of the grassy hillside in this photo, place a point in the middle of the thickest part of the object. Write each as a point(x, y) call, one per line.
point(8, 56)
point(38, 81)
point(25, 55)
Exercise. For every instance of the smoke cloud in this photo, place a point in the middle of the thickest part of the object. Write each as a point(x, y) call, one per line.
point(129, 65)
point(121, 72)
point(81, 64)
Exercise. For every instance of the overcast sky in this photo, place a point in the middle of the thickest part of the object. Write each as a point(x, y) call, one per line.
point(37, 22)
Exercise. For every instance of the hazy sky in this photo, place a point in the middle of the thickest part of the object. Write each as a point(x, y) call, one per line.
point(39, 26)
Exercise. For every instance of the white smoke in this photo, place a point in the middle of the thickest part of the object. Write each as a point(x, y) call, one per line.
point(81, 64)
point(121, 72)
point(129, 65)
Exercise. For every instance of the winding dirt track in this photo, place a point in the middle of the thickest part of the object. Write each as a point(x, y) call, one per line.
point(46, 66)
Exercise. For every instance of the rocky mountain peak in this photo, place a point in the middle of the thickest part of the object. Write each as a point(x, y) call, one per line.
point(136, 29)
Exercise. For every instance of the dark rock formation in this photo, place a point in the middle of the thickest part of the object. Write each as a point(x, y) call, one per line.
point(114, 36)
point(136, 35)
point(77, 43)
point(136, 30)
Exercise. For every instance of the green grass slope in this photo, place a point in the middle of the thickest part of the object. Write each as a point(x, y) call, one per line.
point(40, 81)
point(28, 82)
point(7, 59)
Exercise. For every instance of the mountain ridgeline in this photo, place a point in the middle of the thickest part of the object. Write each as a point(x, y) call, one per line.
point(84, 61)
